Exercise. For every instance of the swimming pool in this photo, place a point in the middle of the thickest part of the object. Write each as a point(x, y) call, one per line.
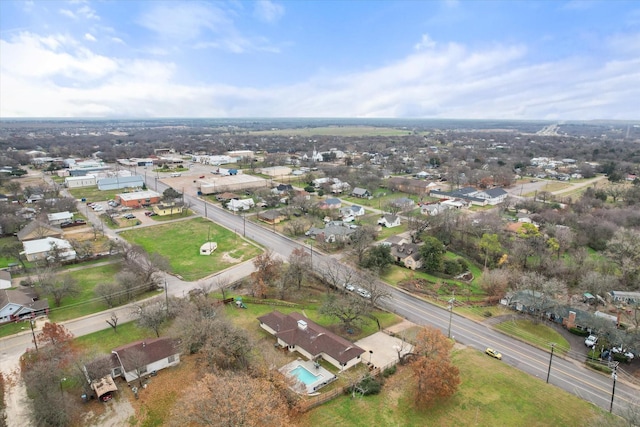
point(305, 376)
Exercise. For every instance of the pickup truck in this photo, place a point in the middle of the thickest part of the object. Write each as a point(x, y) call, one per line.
point(591, 341)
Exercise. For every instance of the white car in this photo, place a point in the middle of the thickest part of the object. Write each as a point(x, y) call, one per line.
point(98, 208)
point(364, 293)
point(591, 341)
point(349, 287)
point(626, 353)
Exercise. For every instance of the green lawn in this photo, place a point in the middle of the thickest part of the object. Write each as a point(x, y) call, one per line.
point(86, 301)
point(537, 334)
point(6, 241)
point(106, 340)
point(92, 194)
point(180, 243)
point(491, 394)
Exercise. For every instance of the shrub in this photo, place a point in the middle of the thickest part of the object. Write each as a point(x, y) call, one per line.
point(599, 367)
point(367, 386)
point(487, 313)
point(389, 371)
point(579, 332)
point(451, 267)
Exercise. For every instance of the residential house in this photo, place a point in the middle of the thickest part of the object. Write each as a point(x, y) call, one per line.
point(389, 221)
point(17, 304)
point(226, 196)
point(42, 249)
point(360, 192)
point(162, 209)
point(403, 203)
point(137, 199)
point(38, 230)
point(59, 217)
point(395, 240)
point(339, 187)
point(142, 358)
point(432, 209)
point(297, 333)
point(284, 188)
point(493, 196)
point(236, 205)
point(407, 254)
point(333, 231)
point(34, 198)
point(330, 203)
point(353, 210)
point(273, 216)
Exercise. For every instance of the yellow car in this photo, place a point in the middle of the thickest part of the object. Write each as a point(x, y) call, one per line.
point(493, 353)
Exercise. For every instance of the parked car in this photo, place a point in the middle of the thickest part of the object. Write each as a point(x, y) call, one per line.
point(98, 208)
point(364, 293)
point(591, 341)
point(349, 287)
point(128, 216)
point(493, 353)
point(619, 350)
point(150, 213)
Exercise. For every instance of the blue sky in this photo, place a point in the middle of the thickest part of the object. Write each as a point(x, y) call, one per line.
point(557, 60)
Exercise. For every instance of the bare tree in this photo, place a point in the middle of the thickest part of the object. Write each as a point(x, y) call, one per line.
point(110, 292)
point(151, 316)
point(60, 287)
point(113, 321)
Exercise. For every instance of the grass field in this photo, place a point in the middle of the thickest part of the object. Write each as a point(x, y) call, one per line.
point(106, 340)
point(180, 243)
point(491, 394)
point(336, 131)
point(537, 334)
point(92, 194)
point(86, 302)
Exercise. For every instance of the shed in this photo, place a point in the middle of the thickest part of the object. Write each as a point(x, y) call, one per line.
point(208, 248)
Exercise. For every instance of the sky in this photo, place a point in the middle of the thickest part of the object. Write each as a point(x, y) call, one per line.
point(456, 59)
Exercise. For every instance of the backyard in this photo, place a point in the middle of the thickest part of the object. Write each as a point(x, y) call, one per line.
point(180, 243)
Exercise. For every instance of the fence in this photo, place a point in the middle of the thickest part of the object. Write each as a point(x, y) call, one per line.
point(320, 399)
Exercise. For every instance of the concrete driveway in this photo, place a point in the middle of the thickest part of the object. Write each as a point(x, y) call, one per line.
point(382, 349)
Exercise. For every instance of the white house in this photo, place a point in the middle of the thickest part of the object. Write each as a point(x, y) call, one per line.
point(40, 249)
point(389, 221)
point(59, 217)
point(141, 358)
point(236, 205)
point(297, 333)
point(5, 279)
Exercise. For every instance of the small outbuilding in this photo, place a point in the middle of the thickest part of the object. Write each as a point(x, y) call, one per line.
point(208, 248)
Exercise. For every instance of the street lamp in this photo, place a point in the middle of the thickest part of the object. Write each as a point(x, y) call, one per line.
point(550, 360)
point(61, 381)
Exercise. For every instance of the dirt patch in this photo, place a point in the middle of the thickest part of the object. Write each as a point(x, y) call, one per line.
point(226, 257)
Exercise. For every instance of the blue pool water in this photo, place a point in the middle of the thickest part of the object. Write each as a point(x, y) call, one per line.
point(305, 376)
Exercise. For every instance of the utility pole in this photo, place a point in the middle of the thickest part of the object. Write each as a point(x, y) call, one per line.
point(550, 360)
point(614, 375)
point(451, 301)
point(31, 322)
point(166, 296)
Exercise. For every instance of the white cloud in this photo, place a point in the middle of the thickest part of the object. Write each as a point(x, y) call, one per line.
point(268, 11)
point(68, 13)
point(90, 37)
point(117, 40)
point(87, 12)
point(425, 42)
point(56, 76)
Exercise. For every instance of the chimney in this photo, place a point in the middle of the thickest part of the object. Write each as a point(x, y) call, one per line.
point(302, 324)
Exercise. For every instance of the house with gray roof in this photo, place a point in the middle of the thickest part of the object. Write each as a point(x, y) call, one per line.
point(389, 221)
point(333, 231)
point(17, 304)
point(297, 333)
